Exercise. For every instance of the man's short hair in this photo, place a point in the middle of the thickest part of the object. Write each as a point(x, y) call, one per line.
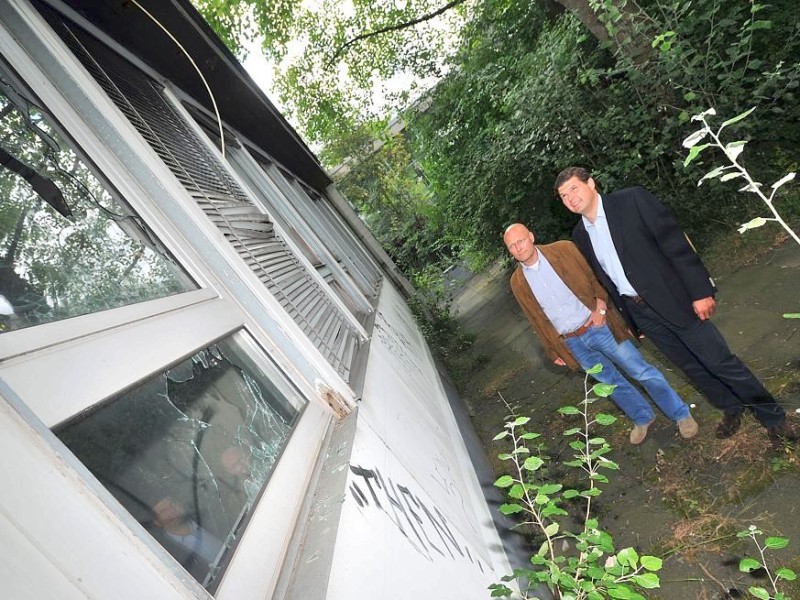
point(568, 174)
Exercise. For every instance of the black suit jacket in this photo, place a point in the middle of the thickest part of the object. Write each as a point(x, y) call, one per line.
point(657, 258)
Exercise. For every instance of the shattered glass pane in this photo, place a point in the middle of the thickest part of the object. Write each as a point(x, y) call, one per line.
point(68, 247)
point(188, 452)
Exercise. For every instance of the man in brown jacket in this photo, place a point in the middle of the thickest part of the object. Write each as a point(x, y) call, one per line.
point(567, 309)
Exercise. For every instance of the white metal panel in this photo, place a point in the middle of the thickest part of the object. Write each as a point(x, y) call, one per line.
point(20, 556)
point(413, 497)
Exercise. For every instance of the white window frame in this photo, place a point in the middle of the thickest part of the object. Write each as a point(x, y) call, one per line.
point(63, 368)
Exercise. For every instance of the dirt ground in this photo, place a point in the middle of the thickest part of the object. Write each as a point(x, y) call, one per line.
point(680, 499)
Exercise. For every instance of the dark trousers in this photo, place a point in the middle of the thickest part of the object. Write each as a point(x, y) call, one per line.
point(701, 352)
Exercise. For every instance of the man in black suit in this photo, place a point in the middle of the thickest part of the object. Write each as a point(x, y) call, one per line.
point(662, 288)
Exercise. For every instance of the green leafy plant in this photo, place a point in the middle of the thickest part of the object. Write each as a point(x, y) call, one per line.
point(595, 570)
point(735, 170)
point(747, 564)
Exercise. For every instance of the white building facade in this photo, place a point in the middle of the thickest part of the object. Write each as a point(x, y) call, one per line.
point(210, 382)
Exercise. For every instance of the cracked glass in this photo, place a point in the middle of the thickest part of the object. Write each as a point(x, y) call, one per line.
point(188, 451)
point(68, 245)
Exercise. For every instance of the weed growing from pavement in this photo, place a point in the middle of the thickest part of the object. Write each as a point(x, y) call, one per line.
point(596, 569)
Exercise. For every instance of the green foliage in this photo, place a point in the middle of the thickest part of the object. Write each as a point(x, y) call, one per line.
point(431, 307)
point(528, 96)
point(597, 570)
point(775, 576)
point(388, 190)
point(326, 93)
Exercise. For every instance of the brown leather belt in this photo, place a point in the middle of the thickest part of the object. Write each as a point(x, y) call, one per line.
point(635, 299)
point(579, 331)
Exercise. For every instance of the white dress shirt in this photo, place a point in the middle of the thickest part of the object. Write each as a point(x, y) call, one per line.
point(606, 253)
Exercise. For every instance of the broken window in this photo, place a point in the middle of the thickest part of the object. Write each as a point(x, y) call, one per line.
point(68, 246)
point(188, 452)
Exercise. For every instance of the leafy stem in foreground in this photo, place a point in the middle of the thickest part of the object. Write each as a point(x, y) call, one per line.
point(593, 570)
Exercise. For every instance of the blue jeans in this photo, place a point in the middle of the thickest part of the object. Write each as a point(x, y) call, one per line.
point(598, 345)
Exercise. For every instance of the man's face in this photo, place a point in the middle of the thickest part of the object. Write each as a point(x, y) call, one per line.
point(519, 242)
point(578, 196)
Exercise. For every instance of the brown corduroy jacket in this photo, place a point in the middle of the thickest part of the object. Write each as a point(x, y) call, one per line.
point(570, 265)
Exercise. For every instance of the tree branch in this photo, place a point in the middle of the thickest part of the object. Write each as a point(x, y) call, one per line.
point(396, 27)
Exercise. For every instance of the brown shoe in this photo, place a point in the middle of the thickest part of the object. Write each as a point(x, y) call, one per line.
point(639, 432)
point(688, 427)
point(729, 425)
point(783, 434)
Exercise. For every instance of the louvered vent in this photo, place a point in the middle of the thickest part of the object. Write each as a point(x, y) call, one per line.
point(246, 228)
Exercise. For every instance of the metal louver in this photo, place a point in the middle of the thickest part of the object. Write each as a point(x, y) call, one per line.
point(220, 197)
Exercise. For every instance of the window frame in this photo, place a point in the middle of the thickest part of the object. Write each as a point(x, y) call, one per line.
point(226, 302)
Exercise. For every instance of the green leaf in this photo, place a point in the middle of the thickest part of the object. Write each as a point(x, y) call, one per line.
point(598, 368)
point(551, 529)
point(749, 564)
point(691, 141)
point(500, 435)
point(760, 25)
point(607, 464)
point(597, 441)
point(759, 592)
point(734, 149)
point(694, 152)
point(552, 510)
point(573, 431)
point(628, 557)
point(504, 481)
point(791, 315)
point(713, 173)
point(499, 590)
point(532, 463)
point(605, 419)
point(591, 492)
point(647, 580)
point(603, 390)
point(651, 563)
point(620, 591)
point(752, 224)
point(569, 494)
point(520, 421)
point(786, 178)
point(510, 509)
point(550, 488)
point(505, 456)
point(737, 118)
point(729, 176)
point(530, 436)
point(542, 549)
point(785, 574)
point(776, 543)
point(516, 492)
point(569, 410)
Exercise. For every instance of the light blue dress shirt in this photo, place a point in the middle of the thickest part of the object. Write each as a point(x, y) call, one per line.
point(606, 253)
point(561, 306)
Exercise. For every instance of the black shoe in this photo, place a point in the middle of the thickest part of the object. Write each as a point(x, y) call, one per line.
point(729, 425)
point(782, 434)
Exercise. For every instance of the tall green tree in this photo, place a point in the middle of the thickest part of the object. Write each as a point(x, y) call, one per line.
point(334, 59)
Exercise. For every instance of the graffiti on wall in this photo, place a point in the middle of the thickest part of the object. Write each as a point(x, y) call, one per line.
point(425, 527)
point(397, 343)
